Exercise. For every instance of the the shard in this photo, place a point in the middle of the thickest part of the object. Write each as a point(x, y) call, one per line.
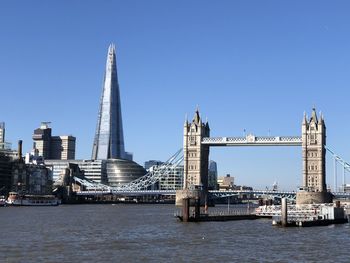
point(109, 138)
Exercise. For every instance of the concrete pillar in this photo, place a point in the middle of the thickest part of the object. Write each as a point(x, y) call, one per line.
point(284, 212)
point(185, 209)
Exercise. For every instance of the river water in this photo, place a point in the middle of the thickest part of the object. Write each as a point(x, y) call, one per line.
point(150, 233)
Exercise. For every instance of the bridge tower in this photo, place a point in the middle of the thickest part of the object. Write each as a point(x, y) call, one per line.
point(196, 155)
point(196, 162)
point(314, 188)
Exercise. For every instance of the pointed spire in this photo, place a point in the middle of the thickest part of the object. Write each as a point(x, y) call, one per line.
point(304, 118)
point(111, 48)
point(197, 118)
point(314, 116)
point(186, 119)
point(321, 118)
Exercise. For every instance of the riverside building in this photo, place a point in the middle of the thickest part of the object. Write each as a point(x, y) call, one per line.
point(113, 172)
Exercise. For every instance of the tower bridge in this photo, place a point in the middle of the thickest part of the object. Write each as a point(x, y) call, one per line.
point(197, 143)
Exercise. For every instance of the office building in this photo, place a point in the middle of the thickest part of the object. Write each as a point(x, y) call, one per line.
point(226, 183)
point(113, 172)
point(171, 177)
point(121, 171)
point(150, 163)
point(53, 147)
point(2, 135)
point(109, 138)
point(213, 176)
point(62, 147)
point(93, 169)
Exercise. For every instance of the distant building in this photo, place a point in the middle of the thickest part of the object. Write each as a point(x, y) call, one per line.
point(121, 171)
point(213, 176)
point(31, 179)
point(53, 147)
point(5, 173)
point(42, 140)
point(171, 179)
point(4, 146)
point(93, 169)
point(109, 138)
point(226, 183)
point(7, 159)
point(113, 172)
point(2, 135)
point(150, 163)
point(33, 157)
point(346, 188)
point(62, 147)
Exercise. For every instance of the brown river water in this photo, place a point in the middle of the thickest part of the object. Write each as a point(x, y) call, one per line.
point(150, 233)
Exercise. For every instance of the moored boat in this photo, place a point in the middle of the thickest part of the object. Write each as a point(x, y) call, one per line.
point(16, 199)
point(2, 201)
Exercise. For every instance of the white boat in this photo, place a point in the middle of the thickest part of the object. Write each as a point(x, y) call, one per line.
point(2, 201)
point(16, 199)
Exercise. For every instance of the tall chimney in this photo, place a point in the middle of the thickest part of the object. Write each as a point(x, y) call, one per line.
point(20, 149)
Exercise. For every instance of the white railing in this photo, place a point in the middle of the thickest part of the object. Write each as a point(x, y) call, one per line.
point(253, 140)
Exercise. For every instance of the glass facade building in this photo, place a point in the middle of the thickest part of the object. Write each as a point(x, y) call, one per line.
point(93, 169)
point(213, 176)
point(114, 172)
point(173, 179)
point(121, 171)
point(109, 138)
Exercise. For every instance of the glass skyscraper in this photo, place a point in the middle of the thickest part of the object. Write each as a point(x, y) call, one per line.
point(109, 138)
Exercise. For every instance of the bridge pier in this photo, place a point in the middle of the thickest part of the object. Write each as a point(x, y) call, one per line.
point(310, 197)
point(190, 198)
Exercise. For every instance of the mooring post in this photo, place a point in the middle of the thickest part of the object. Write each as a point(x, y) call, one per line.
point(284, 212)
point(197, 208)
point(185, 209)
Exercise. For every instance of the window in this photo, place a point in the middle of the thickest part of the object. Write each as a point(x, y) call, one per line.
point(192, 140)
point(313, 139)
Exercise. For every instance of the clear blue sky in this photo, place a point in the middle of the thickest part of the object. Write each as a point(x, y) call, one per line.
point(253, 65)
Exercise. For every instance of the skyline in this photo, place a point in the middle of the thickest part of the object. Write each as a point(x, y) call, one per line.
point(251, 68)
